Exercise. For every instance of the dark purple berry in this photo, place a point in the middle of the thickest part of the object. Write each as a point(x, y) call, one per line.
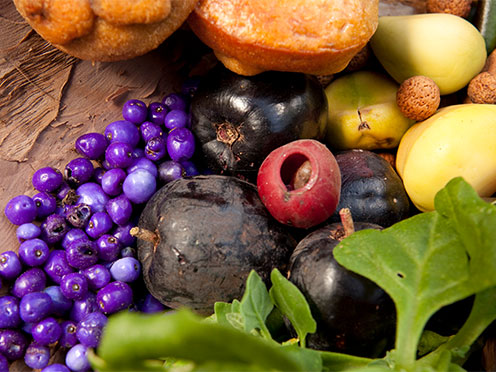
point(122, 131)
point(10, 265)
point(190, 168)
point(68, 337)
point(77, 358)
point(47, 179)
point(73, 234)
point(91, 145)
point(54, 228)
point(74, 286)
point(78, 215)
point(138, 153)
point(37, 356)
point(60, 304)
point(45, 204)
point(149, 130)
point(143, 163)
point(134, 111)
point(174, 101)
point(46, 331)
point(9, 312)
point(21, 209)
point(156, 148)
point(98, 174)
point(122, 233)
point(126, 269)
point(32, 280)
point(176, 119)
point(35, 306)
point(34, 252)
point(98, 276)
point(114, 297)
point(99, 224)
point(120, 209)
point(157, 112)
point(78, 171)
point(93, 195)
point(89, 330)
point(170, 170)
point(83, 307)
point(112, 181)
point(27, 231)
point(119, 155)
point(108, 247)
point(180, 144)
point(139, 186)
point(12, 344)
point(57, 265)
point(82, 253)
point(65, 192)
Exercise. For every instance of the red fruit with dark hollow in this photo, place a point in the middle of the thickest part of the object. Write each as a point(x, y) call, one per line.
point(300, 183)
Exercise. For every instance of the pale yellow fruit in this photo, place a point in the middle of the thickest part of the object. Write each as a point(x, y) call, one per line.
point(444, 47)
point(363, 112)
point(457, 141)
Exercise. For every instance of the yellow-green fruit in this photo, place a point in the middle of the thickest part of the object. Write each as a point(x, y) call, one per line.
point(444, 47)
point(363, 112)
point(458, 140)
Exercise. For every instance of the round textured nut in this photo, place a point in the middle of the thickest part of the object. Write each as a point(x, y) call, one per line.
point(460, 8)
point(105, 30)
point(482, 88)
point(418, 97)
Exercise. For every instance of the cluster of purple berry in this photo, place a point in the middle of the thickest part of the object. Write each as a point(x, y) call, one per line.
point(76, 262)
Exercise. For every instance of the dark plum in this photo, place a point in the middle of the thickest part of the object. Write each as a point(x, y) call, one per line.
point(209, 233)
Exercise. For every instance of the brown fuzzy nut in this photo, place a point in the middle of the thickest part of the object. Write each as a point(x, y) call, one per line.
point(482, 88)
point(418, 97)
point(457, 7)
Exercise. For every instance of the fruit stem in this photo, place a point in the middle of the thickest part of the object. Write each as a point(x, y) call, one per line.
point(347, 221)
point(143, 234)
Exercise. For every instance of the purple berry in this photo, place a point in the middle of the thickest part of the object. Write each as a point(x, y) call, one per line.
point(176, 119)
point(98, 174)
point(45, 204)
point(98, 276)
point(21, 209)
point(83, 307)
point(32, 280)
point(156, 148)
point(134, 111)
point(78, 215)
point(73, 234)
point(56, 367)
point(57, 265)
point(157, 112)
point(114, 297)
point(108, 247)
point(170, 170)
point(149, 130)
point(35, 306)
point(122, 233)
point(78, 171)
point(74, 286)
point(64, 192)
point(77, 358)
point(126, 269)
point(12, 344)
point(190, 168)
point(139, 186)
point(33, 252)
point(37, 356)
point(89, 330)
point(143, 163)
point(174, 101)
point(10, 265)
point(119, 155)
point(46, 331)
point(91, 145)
point(9, 312)
point(82, 253)
point(54, 228)
point(27, 231)
point(99, 224)
point(128, 252)
point(122, 131)
point(68, 337)
point(93, 195)
point(60, 303)
point(180, 144)
point(112, 181)
point(120, 209)
point(47, 179)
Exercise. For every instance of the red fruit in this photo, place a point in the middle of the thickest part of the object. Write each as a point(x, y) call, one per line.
point(300, 183)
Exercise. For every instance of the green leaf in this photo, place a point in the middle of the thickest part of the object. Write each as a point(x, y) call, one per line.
point(256, 305)
point(332, 361)
point(428, 261)
point(131, 339)
point(291, 302)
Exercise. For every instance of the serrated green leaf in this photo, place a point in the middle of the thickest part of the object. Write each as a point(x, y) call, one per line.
point(428, 261)
point(291, 302)
point(256, 305)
